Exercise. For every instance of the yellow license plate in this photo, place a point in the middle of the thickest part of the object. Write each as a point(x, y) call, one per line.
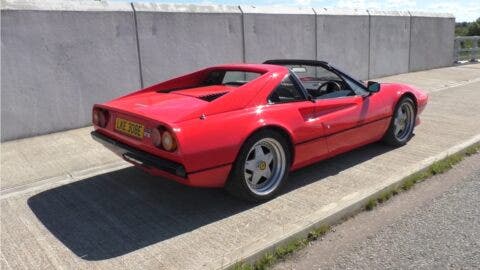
point(129, 127)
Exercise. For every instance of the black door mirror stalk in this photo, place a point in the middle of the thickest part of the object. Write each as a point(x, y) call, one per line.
point(310, 98)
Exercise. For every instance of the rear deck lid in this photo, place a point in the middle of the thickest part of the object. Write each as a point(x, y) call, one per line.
point(172, 106)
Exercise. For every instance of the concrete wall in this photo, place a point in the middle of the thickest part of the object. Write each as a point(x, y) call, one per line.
point(176, 39)
point(56, 63)
point(432, 40)
point(389, 43)
point(278, 34)
point(58, 58)
point(342, 39)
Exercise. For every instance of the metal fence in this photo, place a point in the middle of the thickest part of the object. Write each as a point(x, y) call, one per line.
point(467, 49)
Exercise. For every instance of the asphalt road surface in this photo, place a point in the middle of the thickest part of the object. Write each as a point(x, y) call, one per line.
point(436, 225)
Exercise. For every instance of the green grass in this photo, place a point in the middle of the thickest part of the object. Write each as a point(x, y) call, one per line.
point(472, 150)
point(372, 203)
point(385, 196)
point(283, 251)
point(437, 167)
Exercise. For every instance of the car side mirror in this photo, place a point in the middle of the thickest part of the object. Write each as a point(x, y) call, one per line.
point(373, 87)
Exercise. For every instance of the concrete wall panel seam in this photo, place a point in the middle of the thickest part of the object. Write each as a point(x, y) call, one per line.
point(316, 33)
point(243, 35)
point(410, 44)
point(369, 43)
point(138, 47)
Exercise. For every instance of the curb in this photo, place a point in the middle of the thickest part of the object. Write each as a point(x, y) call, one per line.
point(341, 212)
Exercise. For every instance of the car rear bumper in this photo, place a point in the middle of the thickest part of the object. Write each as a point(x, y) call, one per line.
point(139, 157)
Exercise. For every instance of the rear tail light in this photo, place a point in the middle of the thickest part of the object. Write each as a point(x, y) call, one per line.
point(164, 139)
point(157, 137)
point(168, 141)
point(100, 117)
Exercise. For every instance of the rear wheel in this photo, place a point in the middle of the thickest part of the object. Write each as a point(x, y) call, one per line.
point(260, 168)
point(402, 124)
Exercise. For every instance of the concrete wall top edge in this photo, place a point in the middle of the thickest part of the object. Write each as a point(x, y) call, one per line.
point(388, 13)
point(341, 11)
point(431, 14)
point(185, 8)
point(90, 5)
point(80, 5)
point(276, 10)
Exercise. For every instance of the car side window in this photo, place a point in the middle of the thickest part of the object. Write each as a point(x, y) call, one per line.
point(287, 91)
point(322, 83)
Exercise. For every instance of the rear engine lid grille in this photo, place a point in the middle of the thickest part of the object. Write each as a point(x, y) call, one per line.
point(211, 97)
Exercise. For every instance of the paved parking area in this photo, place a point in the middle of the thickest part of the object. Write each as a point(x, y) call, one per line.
point(68, 203)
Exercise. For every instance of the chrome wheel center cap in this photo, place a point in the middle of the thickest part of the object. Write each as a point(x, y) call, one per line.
point(262, 165)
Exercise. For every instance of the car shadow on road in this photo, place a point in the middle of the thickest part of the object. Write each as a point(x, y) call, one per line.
point(112, 214)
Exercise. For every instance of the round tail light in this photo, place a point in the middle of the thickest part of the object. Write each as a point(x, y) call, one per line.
point(156, 137)
point(100, 117)
point(164, 139)
point(168, 141)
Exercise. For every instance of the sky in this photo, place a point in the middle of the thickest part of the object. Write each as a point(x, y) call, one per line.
point(463, 10)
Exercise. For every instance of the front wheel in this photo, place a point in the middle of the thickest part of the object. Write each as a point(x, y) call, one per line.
point(260, 168)
point(402, 124)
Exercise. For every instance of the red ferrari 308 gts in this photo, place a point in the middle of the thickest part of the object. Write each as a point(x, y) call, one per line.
point(245, 126)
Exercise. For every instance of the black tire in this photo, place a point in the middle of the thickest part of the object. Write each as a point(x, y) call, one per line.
point(239, 186)
point(393, 136)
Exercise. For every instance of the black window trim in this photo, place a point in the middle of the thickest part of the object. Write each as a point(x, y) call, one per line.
point(296, 83)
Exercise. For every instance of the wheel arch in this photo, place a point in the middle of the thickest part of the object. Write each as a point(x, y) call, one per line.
point(280, 130)
point(411, 96)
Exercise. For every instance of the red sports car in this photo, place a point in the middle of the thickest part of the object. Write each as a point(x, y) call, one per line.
point(245, 126)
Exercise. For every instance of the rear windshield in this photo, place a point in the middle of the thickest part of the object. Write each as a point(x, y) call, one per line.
point(229, 77)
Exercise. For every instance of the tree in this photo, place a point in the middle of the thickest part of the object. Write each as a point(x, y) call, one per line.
point(473, 28)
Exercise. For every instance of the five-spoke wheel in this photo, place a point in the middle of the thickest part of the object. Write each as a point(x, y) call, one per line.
point(261, 166)
point(403, 122)
point(264, 166)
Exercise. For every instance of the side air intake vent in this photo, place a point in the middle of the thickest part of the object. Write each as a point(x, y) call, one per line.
point(211, 97)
